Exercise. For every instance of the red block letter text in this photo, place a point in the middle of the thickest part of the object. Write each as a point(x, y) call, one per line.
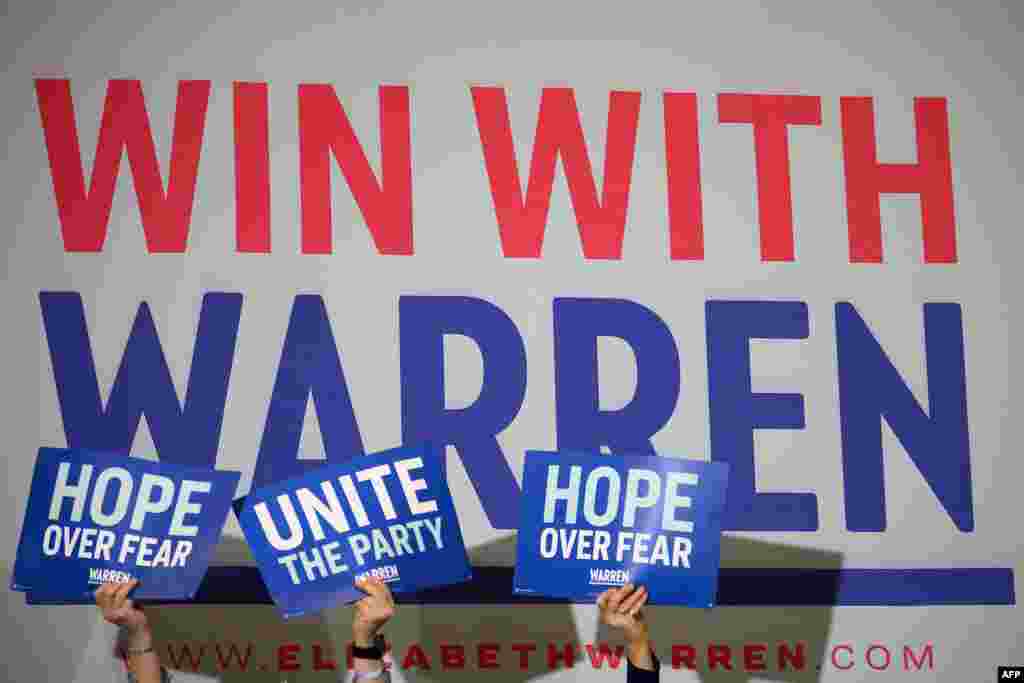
point(866, 178)
point(601, 223)
point(84, 215)
point(252, 168)
point(386, 207)
point(770, 114)
point(682, 166)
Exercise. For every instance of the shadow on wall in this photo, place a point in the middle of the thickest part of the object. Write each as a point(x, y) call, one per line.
point(732, 633)
point(803, 632)
point(448, 642)
point(515, 636)
point(247, 643)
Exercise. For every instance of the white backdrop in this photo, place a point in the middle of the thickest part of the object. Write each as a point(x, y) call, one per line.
point(891, 52)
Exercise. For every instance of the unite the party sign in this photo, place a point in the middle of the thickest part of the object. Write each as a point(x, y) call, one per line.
point(389, 515)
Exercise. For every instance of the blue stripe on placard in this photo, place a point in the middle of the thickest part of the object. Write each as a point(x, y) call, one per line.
point(736, 587)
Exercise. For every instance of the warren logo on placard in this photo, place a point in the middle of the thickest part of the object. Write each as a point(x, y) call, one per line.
point(389, 515)
point(593, 522)
point(94, 518)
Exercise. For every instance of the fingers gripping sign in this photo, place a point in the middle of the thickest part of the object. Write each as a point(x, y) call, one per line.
point(117, 608)
point(372, 611)
point(622, 609)
point(631, 605)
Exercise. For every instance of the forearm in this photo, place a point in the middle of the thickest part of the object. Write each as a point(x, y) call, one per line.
point(640, 655)
point(360, 665)
point(366, 665)
point(371, 613)
point(367, 669)
point(140, 655)
point(643, 666)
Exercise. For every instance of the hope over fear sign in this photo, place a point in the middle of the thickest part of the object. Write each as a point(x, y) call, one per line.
point(593, 522)
point(388, 515)
point(94, 518)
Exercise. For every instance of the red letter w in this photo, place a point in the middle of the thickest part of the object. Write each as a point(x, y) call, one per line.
point(84, 215)
point(601, 223)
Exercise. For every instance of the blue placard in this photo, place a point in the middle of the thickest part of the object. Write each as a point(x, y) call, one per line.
point(95, 517)
point(387, 514)
point(593, 522)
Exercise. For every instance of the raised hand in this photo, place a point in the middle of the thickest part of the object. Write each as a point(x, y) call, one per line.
point(622, 608)
point(371, 612)
point(117, 608)
point(135, 639)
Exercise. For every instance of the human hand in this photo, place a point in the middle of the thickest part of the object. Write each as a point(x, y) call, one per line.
point(118, 609)
point(621, 608)
point(372, 611)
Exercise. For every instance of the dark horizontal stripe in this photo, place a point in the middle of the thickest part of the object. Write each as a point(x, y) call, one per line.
point(736, 587)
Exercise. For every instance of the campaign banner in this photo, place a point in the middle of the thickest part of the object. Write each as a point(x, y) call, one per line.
point(98, 517)
point(388, 514)
point(591, 522)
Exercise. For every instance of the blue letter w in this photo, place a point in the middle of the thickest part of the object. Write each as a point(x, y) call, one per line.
point(185, 435)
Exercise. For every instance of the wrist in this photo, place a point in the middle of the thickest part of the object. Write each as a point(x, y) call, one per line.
point(137, 637)
point(641, 654)
point(639, 644)
point(364, 637)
